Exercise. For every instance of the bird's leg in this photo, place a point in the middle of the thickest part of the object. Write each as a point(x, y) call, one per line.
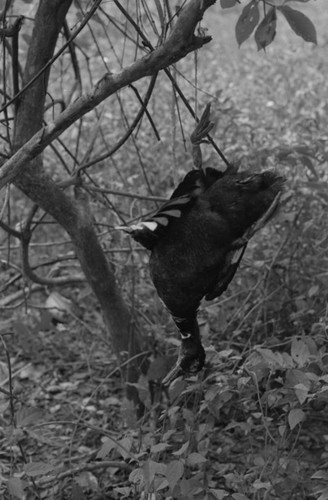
point(203, 127)
point(191, 357)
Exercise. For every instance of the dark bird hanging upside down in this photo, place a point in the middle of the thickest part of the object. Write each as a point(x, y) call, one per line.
point(197, 240)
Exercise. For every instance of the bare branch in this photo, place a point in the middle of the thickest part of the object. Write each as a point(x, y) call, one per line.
point(12, 30)
point(10, 230)
point(30, 274)
point(86, 467)
point(126, 194)
point(180, 42)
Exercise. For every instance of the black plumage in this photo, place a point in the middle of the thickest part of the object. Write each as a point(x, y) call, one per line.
point(198, 237)
point(193, 240)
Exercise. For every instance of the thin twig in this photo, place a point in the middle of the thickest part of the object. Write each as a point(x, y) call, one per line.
point(44, 482)
point(10, 230)
point(126, 194)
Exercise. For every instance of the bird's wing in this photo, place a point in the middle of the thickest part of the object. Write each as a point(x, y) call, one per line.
point(150, 230)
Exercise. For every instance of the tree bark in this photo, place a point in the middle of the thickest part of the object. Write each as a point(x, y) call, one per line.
point(72, 214)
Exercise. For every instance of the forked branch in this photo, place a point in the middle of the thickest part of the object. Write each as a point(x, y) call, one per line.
point(180, 42)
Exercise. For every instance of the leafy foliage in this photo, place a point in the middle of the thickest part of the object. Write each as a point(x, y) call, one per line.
point(299, 23)
point(266, 30)
point(247, 21)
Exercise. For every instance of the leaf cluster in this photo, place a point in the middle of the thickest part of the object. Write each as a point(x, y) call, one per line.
point(265, 25)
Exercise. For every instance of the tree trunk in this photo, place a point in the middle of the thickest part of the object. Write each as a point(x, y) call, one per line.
point(72, 214)
point(25, 166)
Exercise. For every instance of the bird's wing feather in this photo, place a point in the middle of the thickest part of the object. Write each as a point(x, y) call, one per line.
point(149, 231)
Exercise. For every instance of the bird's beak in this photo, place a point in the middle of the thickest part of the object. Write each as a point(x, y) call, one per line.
point(173, 374)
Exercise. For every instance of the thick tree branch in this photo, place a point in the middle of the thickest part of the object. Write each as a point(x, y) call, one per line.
point(180, 42)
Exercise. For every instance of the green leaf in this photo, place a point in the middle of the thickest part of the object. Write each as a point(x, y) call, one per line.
point(295, 417)
point(320, 474)
point(300, 352)
point(123, 446)
point(16, 488)
point(181, 450)
point(77, 492)
point(106, 448)
point(28, 416)
point(226, 4)
point(219, 494)
point(124, 491)
point(282, 430)
point(313, 290)
point(266, 30)
point(261, 485)
point(157, 448)
point(294, 377)
point(324, 495)
point(187, 487)
point(277, 3)
point(195, 459)
point(174, 472)
point(247, 21)
point(38, 468)
point(300, 24)
point(137, 476)
point(160, 12)
point(269, 357)
point(160, 483)
point(149, 469)
point(301, 392)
